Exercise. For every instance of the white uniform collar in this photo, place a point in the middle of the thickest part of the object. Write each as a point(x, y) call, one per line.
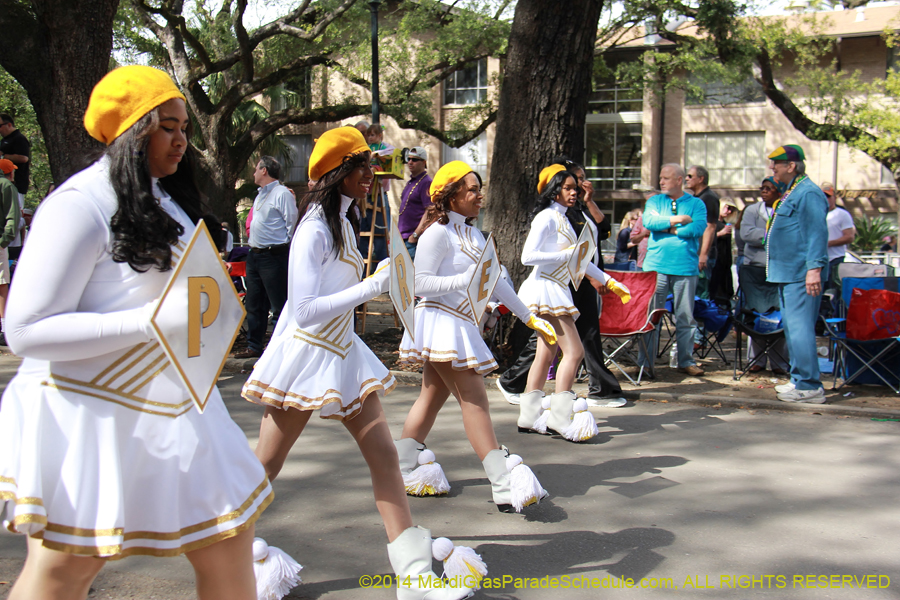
point(559, 207)
point(158, 192)
point(346, 201)
point(456, 218)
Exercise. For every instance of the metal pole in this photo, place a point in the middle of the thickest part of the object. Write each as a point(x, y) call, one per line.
point(376, 109)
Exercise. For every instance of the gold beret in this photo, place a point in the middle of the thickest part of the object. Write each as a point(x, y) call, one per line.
point(546, 175)
point(452, 171)
point(331, 148)
point(123, 96)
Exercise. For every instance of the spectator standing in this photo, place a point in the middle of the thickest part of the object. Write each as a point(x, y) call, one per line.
point(677, 222)
point(753, 233)
point(415, 199)
point(375, 139)
point(274, 218)
point(697, 182)
point(721, 284)
point(9, 212)
point(796, 254)
point(641, 235)
point(841, 232)
point(15, 147)
point(626, 250)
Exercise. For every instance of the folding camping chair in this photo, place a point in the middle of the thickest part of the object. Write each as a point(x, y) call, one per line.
point(627, 325)
point(713, 323)
point(863, 361)
point(756, 297)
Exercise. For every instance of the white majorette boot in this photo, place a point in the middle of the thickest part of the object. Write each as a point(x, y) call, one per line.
point(408, 451)
point(540, 424)
point(410, 556)
point(529, 410)
point(513, 485)
point(561, 410)
point(422, 476)
point(276, 572)
point(583, 426)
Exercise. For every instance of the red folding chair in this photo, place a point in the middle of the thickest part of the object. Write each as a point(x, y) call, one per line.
point(629, 325)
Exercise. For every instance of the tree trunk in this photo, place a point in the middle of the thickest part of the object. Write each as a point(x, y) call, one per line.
point(58, 50)
point(543, 104)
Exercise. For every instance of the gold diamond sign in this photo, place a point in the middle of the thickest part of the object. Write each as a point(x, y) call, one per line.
point(403, 279)
point(585, 248)
point(198, 316)
point(487, 273)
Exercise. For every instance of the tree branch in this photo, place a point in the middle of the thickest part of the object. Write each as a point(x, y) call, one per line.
point(243, 41)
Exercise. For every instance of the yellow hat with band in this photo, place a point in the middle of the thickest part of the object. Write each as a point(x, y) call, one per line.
point(332, 147)
point(123, 96)
point(452, 171)
point(546, 175)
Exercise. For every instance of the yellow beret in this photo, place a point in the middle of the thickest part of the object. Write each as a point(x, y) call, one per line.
point(452, 171)
point(123, 96)
point(331, 148)
point(547, 174)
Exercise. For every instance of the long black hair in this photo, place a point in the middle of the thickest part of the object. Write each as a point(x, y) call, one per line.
point(551, 191)
point(327, 194)
point(143, 233)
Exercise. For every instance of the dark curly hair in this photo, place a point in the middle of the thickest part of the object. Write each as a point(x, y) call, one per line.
point(143, 233)
point(440, 204)
point(551, 191)
point(327, 194)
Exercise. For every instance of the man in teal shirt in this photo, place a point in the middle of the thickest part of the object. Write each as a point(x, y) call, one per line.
point(796, 253)
point(676, 221)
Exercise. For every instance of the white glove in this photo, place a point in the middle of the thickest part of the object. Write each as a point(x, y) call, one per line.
point(462, 280)
point(380, 280)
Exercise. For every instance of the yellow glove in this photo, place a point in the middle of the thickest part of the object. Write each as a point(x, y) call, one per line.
point(619, 289)
point(544, 328)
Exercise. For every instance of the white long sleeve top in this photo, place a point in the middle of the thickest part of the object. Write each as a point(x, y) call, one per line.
point(75, 312)
point(549, 245)
point(444, 257)
point(323, 285)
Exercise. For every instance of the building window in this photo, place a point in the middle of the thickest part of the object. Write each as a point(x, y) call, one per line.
point(467, 86)
point(723, 93)
point(732, 159)
point(473, 154)
point(299, 147)
point(613, 155)
point(295, 92)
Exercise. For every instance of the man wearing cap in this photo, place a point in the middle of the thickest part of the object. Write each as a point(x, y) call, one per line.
point(841, 232)
point(15, 147)
point(9, 212)
point(796, 252)
point(274, 218)
point(414, 200)
point(677, 222)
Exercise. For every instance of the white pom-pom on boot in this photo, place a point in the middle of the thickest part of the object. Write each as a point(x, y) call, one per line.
point(561, 410)
point(461, 563)
point(583, 426)
point(540, 424)
point(408, 451)
point(276, 572)
point(410, 555)
point(525, 489)
point(428, 478)
point(529, 410)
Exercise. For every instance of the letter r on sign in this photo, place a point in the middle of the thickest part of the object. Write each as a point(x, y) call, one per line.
point(197, 317)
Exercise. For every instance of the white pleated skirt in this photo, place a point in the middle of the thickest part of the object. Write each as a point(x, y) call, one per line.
point(444, 337)
point(292, 373)
point(95, 478)
point(545, 297)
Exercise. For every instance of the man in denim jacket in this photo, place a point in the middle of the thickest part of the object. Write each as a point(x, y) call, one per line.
point(796, 254)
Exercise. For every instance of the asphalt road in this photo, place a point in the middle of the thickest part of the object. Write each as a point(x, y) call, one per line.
point(685, 501)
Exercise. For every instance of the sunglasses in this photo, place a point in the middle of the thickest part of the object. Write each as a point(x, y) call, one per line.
point(688, 176)
point(674, 207)
point(412, 160)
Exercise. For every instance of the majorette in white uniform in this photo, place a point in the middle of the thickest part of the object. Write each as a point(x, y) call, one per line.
point(445, 331)
point(547, 248)
point(315, 360)
point(102, 451)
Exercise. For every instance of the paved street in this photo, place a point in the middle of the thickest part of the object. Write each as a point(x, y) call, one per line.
point(669, 495)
